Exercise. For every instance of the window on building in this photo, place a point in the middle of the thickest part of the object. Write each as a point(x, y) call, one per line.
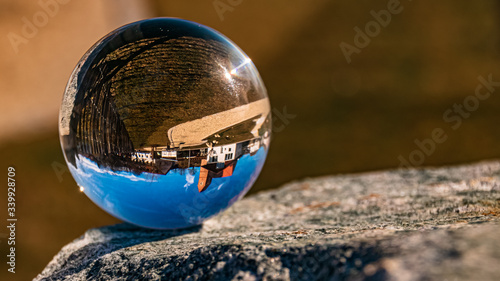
point(229, 156)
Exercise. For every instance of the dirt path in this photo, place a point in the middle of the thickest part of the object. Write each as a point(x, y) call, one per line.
point(193, 132)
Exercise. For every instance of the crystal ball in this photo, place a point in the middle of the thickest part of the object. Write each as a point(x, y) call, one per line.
point(165, 123)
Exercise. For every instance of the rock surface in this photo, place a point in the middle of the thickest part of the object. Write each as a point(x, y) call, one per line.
point(420, 224)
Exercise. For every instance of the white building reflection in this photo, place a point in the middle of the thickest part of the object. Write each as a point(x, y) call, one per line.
point(214, 161)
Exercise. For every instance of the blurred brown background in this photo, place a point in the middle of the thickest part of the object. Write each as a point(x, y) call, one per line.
point(349, 117)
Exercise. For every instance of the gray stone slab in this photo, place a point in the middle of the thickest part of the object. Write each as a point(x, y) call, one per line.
point(419, 224)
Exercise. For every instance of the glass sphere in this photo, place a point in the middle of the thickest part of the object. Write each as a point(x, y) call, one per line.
point(165, 123)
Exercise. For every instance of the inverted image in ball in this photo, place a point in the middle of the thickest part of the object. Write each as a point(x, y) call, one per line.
point(165, 123)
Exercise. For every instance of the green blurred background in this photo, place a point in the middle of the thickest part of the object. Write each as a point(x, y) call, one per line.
point(347, 117)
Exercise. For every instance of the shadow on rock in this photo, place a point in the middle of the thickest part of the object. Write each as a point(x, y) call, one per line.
point(330, 262)
point(117, 237)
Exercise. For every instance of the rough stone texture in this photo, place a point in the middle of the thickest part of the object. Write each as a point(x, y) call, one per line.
point(422, 224)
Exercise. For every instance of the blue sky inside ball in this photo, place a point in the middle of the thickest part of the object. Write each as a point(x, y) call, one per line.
point(165, 201)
